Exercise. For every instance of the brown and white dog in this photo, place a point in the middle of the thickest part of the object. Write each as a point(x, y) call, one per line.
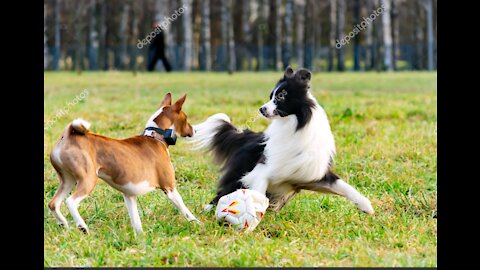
point(134, 166)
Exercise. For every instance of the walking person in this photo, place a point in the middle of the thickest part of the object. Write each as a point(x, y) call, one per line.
point(156, 51)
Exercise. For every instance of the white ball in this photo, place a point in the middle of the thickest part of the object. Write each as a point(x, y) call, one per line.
point(244, 209)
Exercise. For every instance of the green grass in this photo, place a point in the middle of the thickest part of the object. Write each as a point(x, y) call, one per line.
point(385, 132)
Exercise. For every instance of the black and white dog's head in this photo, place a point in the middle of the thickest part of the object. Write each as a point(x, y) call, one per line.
point(290, 97)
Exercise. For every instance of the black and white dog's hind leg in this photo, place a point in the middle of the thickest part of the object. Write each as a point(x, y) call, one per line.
point(332, 183)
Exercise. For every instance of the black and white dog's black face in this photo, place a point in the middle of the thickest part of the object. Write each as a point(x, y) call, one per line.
point(290, 97)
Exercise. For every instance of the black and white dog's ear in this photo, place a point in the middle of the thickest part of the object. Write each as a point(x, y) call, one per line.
point(303, 76)
point(289, 73)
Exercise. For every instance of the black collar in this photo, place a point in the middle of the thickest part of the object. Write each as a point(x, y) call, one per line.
point(167, 135)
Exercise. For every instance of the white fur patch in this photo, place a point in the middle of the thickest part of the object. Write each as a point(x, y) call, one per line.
point(176, 199)
point(56, 154)
point(150, 122)
point(137, 189)
point(270, 107)
point(79, 123)
point(291, 155)
point(204, 132)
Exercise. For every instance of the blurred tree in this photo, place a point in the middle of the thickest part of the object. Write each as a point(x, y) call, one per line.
point(204, 53)
point(378, 39)
point(121, 56)
point(45, 37)
point(231, 64)
point(278, 35)
point(429, 9)
point(56, 47)
point(187, 41)
point(356, 39)
point(309, 45)
point(332, 34)
point(287, 37)
point(262, 28)
point(103, 45)
point(248, 17)
point(394, 14)
point(92, 37)
point(224, 32)
point(370, 48)
point(135, 13)
point(300, 29)
point(387, 35)
point(418, 32)
point(79, 34)
point(341, 9)
point(246, 35)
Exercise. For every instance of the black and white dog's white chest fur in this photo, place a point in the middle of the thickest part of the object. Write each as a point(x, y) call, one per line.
point(294, 153)
point(289, 152)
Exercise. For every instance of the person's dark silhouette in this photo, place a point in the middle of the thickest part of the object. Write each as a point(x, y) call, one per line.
point(157, 51)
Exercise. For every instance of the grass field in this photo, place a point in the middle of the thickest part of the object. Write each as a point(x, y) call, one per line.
point(385, 132)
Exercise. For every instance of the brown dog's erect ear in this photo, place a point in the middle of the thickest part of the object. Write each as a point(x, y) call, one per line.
point(289, 73)
point(167, 100)
point(303, 76)
point(178, 105)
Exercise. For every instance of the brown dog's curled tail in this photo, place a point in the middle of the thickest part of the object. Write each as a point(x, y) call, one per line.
point(81, 126)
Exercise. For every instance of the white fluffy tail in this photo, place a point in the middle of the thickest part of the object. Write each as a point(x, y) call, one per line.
point(204, 132)
point(81, 126)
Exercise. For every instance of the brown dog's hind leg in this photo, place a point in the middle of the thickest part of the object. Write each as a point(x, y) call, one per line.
point(66, 185)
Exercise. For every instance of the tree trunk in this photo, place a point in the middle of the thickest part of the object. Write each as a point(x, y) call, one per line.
point(370, 48)
point(231, 64)
point(300, 29)
point(79, 26)
point(122, 55)
point(278, 36)
point(45, 38)
point(204, 54)
point(249, 15)
point(395, 33)
point(429, 9)
point(103, 52)
point(332, 34)
point(287, 24)
point(317, 50)
point(92, 37)
point(56, 47)
point(435, 33)
point(262, 28)
point(419, 20)
point(132, 49)
point(187, 35)
point(379, 52)
point(224, 32)
point(387, 35)
point(341, 9)
point(309, 45)
point(356, 39)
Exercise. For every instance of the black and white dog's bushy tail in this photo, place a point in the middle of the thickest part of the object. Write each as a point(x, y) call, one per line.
point(237, 152)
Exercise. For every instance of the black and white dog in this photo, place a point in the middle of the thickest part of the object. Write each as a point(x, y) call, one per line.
point(294, 153)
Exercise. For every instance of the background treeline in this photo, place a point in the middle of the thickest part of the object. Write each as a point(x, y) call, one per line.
point(232, 35)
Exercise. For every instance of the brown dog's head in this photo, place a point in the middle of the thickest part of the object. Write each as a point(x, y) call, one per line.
point(172, 115)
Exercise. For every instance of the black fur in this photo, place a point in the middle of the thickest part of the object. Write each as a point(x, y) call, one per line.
point(238, 153)
point(291, 97)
